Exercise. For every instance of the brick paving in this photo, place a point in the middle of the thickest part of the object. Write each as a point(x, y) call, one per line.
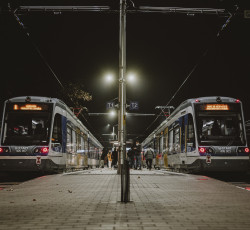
point(91, 200)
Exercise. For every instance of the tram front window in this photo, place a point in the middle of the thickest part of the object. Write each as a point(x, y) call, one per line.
point(26, 128)
point(220, 128)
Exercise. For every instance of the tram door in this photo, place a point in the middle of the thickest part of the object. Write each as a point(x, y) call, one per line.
point(182, 141)
point(188, 134)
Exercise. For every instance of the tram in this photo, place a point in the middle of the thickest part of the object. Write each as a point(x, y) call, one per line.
point(42, 134)
point(202, 134)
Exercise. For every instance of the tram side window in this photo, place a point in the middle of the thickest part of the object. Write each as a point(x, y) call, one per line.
point(78, 141)
point(69, 140)
point(190, 134)
point(165, 140)
point(183, 133)
point(157, 145)
point(57, 133)
point(161, 144)
point(74, 141)
point(82, 143)
point(177, 139)
point(171, 140)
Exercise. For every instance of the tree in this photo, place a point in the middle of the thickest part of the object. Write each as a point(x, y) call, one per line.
point(75, 96)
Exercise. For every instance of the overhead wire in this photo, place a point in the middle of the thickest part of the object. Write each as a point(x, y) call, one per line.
point(45, 61)
point(197, 63)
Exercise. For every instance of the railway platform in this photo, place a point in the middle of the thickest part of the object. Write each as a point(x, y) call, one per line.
point(90, 199)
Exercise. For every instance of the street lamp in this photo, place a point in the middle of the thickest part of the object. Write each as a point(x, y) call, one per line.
point(113, 133)
point(109, 77)
point(131, 77)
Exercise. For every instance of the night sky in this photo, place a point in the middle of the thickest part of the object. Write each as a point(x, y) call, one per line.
point(162, 49)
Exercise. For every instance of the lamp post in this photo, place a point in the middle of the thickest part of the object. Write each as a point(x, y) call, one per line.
point(113, 133)
point(122, 105)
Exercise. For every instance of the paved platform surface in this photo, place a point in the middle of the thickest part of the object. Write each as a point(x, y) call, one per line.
point(90, 200)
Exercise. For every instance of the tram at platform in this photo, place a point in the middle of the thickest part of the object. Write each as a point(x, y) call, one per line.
point(202, 134)
point(42, 134)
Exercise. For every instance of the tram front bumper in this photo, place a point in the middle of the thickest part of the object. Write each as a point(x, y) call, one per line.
point(26, 165)
point(221, 165)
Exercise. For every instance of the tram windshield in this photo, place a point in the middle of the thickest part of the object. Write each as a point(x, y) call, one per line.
point(27, 127)
point(220, 127)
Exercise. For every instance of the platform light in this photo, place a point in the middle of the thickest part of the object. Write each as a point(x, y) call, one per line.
point(109, 78)
point(131, 77)
point(112, 113)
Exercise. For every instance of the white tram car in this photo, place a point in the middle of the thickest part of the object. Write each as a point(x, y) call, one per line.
point(203, 134)
point(42, 134)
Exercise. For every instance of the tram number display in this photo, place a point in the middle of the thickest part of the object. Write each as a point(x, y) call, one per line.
point(216, 107)
point(36, 107)
point(212, 107)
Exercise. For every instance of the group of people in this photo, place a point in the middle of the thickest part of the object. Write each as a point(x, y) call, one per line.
point(109, 157)
point(135, 157)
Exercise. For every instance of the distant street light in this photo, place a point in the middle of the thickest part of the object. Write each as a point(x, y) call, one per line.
point(112, 113)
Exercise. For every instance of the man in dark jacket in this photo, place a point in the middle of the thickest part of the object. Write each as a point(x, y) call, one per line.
point(149, 155)
point(137, 151)
point(114, 157)
point(131, 156)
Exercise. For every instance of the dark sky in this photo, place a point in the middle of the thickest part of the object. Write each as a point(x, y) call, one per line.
point(162, 49)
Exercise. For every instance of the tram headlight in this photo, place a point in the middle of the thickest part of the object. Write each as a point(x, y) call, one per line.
point(43, 151)
point(202, 150)
point(4, 150)
point(210, 150)
point(243, 150)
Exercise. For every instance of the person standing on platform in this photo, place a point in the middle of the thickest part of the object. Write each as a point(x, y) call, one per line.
point(109, 155)
point(137, 150)
point(102, 160)
point(149, 155)
point(105, 152)
point(131, 156)
point(114, 157)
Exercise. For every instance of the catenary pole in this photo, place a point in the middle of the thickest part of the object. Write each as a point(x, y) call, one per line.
point(122, 96)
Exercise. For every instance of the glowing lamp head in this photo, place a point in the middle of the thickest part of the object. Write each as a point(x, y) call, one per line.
point(131, 78)
point(109, 78)
point(112, 113)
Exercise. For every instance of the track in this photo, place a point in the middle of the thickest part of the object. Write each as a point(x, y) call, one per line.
point(7, 180)
point(240, 180)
